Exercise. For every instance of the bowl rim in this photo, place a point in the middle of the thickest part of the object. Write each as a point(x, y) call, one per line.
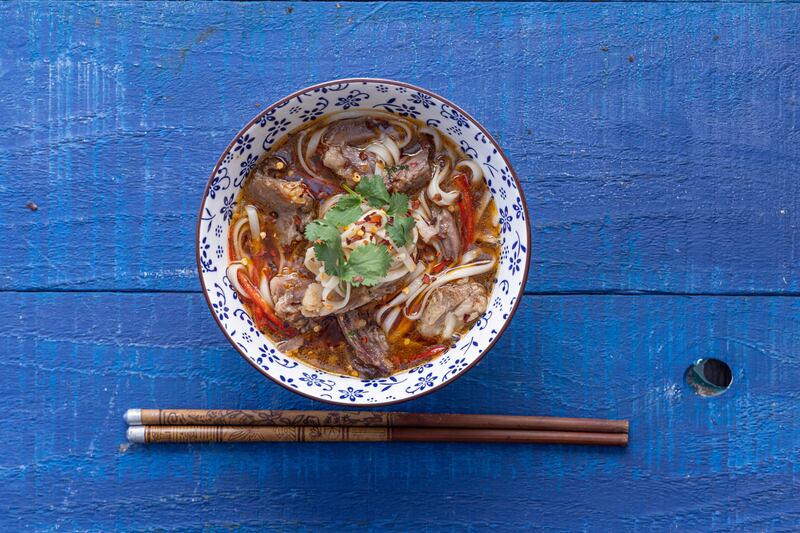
point(396, 83)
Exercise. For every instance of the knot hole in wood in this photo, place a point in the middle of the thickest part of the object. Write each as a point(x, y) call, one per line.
point(709, 377)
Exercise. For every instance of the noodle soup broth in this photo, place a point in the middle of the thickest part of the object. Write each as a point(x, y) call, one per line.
point(363, 242)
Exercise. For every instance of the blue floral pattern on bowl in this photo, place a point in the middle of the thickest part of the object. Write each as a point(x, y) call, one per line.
point(310, 105)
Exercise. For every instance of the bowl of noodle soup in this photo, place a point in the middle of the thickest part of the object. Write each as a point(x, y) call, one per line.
point(363, 242)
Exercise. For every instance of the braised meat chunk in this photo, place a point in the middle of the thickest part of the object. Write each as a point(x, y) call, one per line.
point(413, 174)
point(287, 293)
point(288, 204)
point(370, 348)
point(450, 307)
point(352, 131)
point(448, 233)
point(340, 152)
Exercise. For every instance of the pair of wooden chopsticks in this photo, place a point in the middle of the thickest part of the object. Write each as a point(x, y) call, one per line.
point(195, 425)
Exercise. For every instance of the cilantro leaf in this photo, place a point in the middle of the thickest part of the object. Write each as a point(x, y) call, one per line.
point(396, 168)
point(368, 264)
point(352, 192)
point(398, 204)
point(322, 230)
point(332, 257)
point(348, 201)
point(339, 215)
point(327, 245)
point(373, 190)
point(400, 230)
point(346, 210)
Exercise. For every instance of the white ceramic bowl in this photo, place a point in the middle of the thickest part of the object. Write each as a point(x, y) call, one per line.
point(310, 104)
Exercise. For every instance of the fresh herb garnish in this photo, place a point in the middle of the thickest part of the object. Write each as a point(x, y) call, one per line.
point(346, 211)
point(370, 262)
point(327, 245)
point(396, 168)
point(400, 230)
point(398, 205)
point(373, 190)
point(332, 256)
point(321, 230)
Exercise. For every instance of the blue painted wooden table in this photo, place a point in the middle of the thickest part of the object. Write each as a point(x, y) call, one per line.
point(659, 148)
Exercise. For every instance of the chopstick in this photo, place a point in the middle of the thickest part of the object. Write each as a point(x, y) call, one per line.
point(183, 434)
point(195, 425)
point(232, 417)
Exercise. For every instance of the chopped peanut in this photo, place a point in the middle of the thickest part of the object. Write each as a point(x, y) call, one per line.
point(279, 165)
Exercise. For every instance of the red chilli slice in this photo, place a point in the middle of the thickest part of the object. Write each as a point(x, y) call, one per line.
point(427, 353)
point(467, 212)
point(254, 296)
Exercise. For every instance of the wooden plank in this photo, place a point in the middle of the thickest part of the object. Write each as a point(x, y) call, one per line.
point(658, 143)
point(74, 362)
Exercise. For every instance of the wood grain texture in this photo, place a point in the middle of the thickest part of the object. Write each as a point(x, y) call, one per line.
point(72, 364)
point(204, 434)
point(658, 143)
point(242, 417)
point(352, 434)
